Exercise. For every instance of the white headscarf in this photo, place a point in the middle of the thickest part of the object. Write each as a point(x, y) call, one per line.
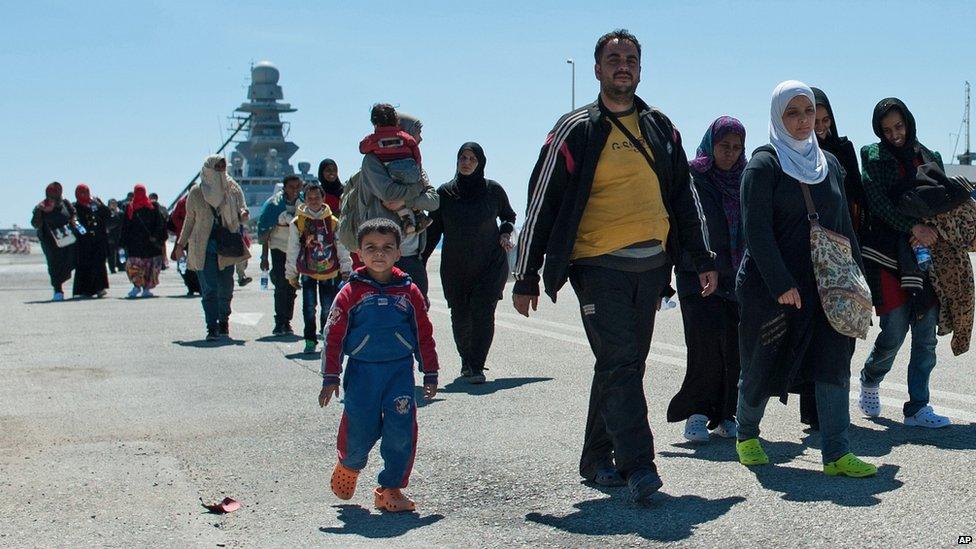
point(213, 183)
point(802, 160)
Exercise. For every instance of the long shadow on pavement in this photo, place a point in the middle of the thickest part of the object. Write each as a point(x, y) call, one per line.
point(279, 339)
point(806, 485)
point(723, 450)
point(204, 344)
point(666, 518)
point(361, 522)
point(459, 385)
point(872, 442)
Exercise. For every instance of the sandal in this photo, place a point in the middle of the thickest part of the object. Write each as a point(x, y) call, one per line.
point(751, 452)
point(392, 500)
point(850, 466)
point(344, 481)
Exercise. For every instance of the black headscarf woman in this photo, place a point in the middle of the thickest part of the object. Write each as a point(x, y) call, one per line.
point(55, 215)
point(830, 140)
point(907, 151)
point(474, 260)
point(331, 184)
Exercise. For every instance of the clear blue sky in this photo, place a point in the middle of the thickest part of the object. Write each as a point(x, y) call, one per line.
point(115, 93)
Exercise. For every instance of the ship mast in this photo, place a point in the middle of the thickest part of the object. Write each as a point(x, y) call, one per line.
point(966, 158)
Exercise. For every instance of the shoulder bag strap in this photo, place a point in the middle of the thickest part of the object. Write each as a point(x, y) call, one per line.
point(636, 142)
point(812, 216)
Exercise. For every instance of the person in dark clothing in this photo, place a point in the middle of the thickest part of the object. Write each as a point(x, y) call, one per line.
point(611, 212)
point(273, 232)
point(91, 274)
point(903, 305)
point(474, 259)
point(329, 179)
point(174, 224)
point(54, 219)
point(830, 140)
point(784, 337)
point(143, 237)
point(708, 394)
point(113, 233)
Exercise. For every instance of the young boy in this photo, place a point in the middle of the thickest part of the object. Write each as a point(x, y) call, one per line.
point(317, 256)
point(378, 320)
point(400, 153)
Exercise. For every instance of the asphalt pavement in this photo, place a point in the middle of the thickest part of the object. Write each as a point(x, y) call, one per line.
point(117, 420)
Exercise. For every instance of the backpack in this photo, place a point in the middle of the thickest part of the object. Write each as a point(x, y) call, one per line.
point(351, 211)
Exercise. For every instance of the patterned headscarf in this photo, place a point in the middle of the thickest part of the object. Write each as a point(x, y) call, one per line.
point(727, 182)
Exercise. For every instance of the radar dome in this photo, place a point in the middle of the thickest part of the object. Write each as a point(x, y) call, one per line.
point(264, 73)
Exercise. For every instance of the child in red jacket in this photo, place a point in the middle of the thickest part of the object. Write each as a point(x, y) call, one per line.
point(400, 153)
point(379, 321)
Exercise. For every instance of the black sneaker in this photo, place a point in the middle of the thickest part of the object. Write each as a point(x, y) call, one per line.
point(279, 330)
point(643, 484)
point(223, 328)
point(287, 329)
point(244, 281)
point(476, 378)
point(212, 334)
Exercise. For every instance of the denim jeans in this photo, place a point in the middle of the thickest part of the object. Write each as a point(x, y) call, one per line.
point(833, 407)
point(216, 288)
point(618, 311)
point(315, 293)
point(894, 328)
point(284, 292)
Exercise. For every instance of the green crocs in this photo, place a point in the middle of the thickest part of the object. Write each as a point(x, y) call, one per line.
point(310, 345)
point(850, 466)
point(751, 452)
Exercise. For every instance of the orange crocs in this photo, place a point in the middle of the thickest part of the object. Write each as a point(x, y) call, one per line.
point(344, 481)
point(392, 500)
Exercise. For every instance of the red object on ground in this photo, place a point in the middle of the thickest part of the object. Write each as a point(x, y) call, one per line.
point(227, 505)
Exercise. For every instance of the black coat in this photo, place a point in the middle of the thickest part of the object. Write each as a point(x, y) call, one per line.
point(782, 347)
point(686, 277)
point(472, 260)
point(145, 234)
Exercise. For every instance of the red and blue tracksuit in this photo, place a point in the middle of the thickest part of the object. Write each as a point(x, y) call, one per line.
point(381, 328)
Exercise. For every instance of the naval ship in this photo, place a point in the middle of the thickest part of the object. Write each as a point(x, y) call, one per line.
point(262, 159)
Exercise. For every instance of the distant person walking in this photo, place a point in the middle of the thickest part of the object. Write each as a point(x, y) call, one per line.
point(215, 210)
point(175, 226)
point(474, 261)
point(708, 394)
point(274, 227)
point(54, 219)
point(113, 232)
point(785, 337)
point(91, 274)
point(611, 207)
point(144, 239)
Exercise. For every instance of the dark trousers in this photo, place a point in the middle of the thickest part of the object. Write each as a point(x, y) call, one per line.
point(315, 293)
point(216, 289)
point(618, 315)
point(112, 259)
point(415, 268)
point(284, 293)
point(473, 322)
point(711, 379)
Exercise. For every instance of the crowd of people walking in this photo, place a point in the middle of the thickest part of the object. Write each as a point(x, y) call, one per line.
point(776, 257)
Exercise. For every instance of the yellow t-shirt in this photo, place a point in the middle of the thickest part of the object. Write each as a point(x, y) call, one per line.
point(625, 205)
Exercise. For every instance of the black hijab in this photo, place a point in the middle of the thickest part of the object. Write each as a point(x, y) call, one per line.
point(332, 187)
point(468, 186)
point(833, 142)
point(907, 152)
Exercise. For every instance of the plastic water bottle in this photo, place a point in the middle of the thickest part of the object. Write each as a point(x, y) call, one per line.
point(80, 228)
point(181, 265)
point(667, 304)
point(264, 280)
point(122, 255)
point(924, 257)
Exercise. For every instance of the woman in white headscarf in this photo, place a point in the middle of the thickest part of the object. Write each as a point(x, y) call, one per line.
point(216, 200)
point(785, 338)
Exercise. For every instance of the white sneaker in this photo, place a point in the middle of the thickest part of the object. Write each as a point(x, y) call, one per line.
point(870, 401)
point(926, 417)
point(134, 292)
point(726, 429)
point(147, 293)
point(696, 429)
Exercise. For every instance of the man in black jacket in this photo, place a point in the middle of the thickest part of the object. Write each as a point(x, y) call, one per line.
point(612, 212)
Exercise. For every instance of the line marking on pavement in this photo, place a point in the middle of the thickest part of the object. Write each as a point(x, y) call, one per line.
point(246, 319)
point(887, 386)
